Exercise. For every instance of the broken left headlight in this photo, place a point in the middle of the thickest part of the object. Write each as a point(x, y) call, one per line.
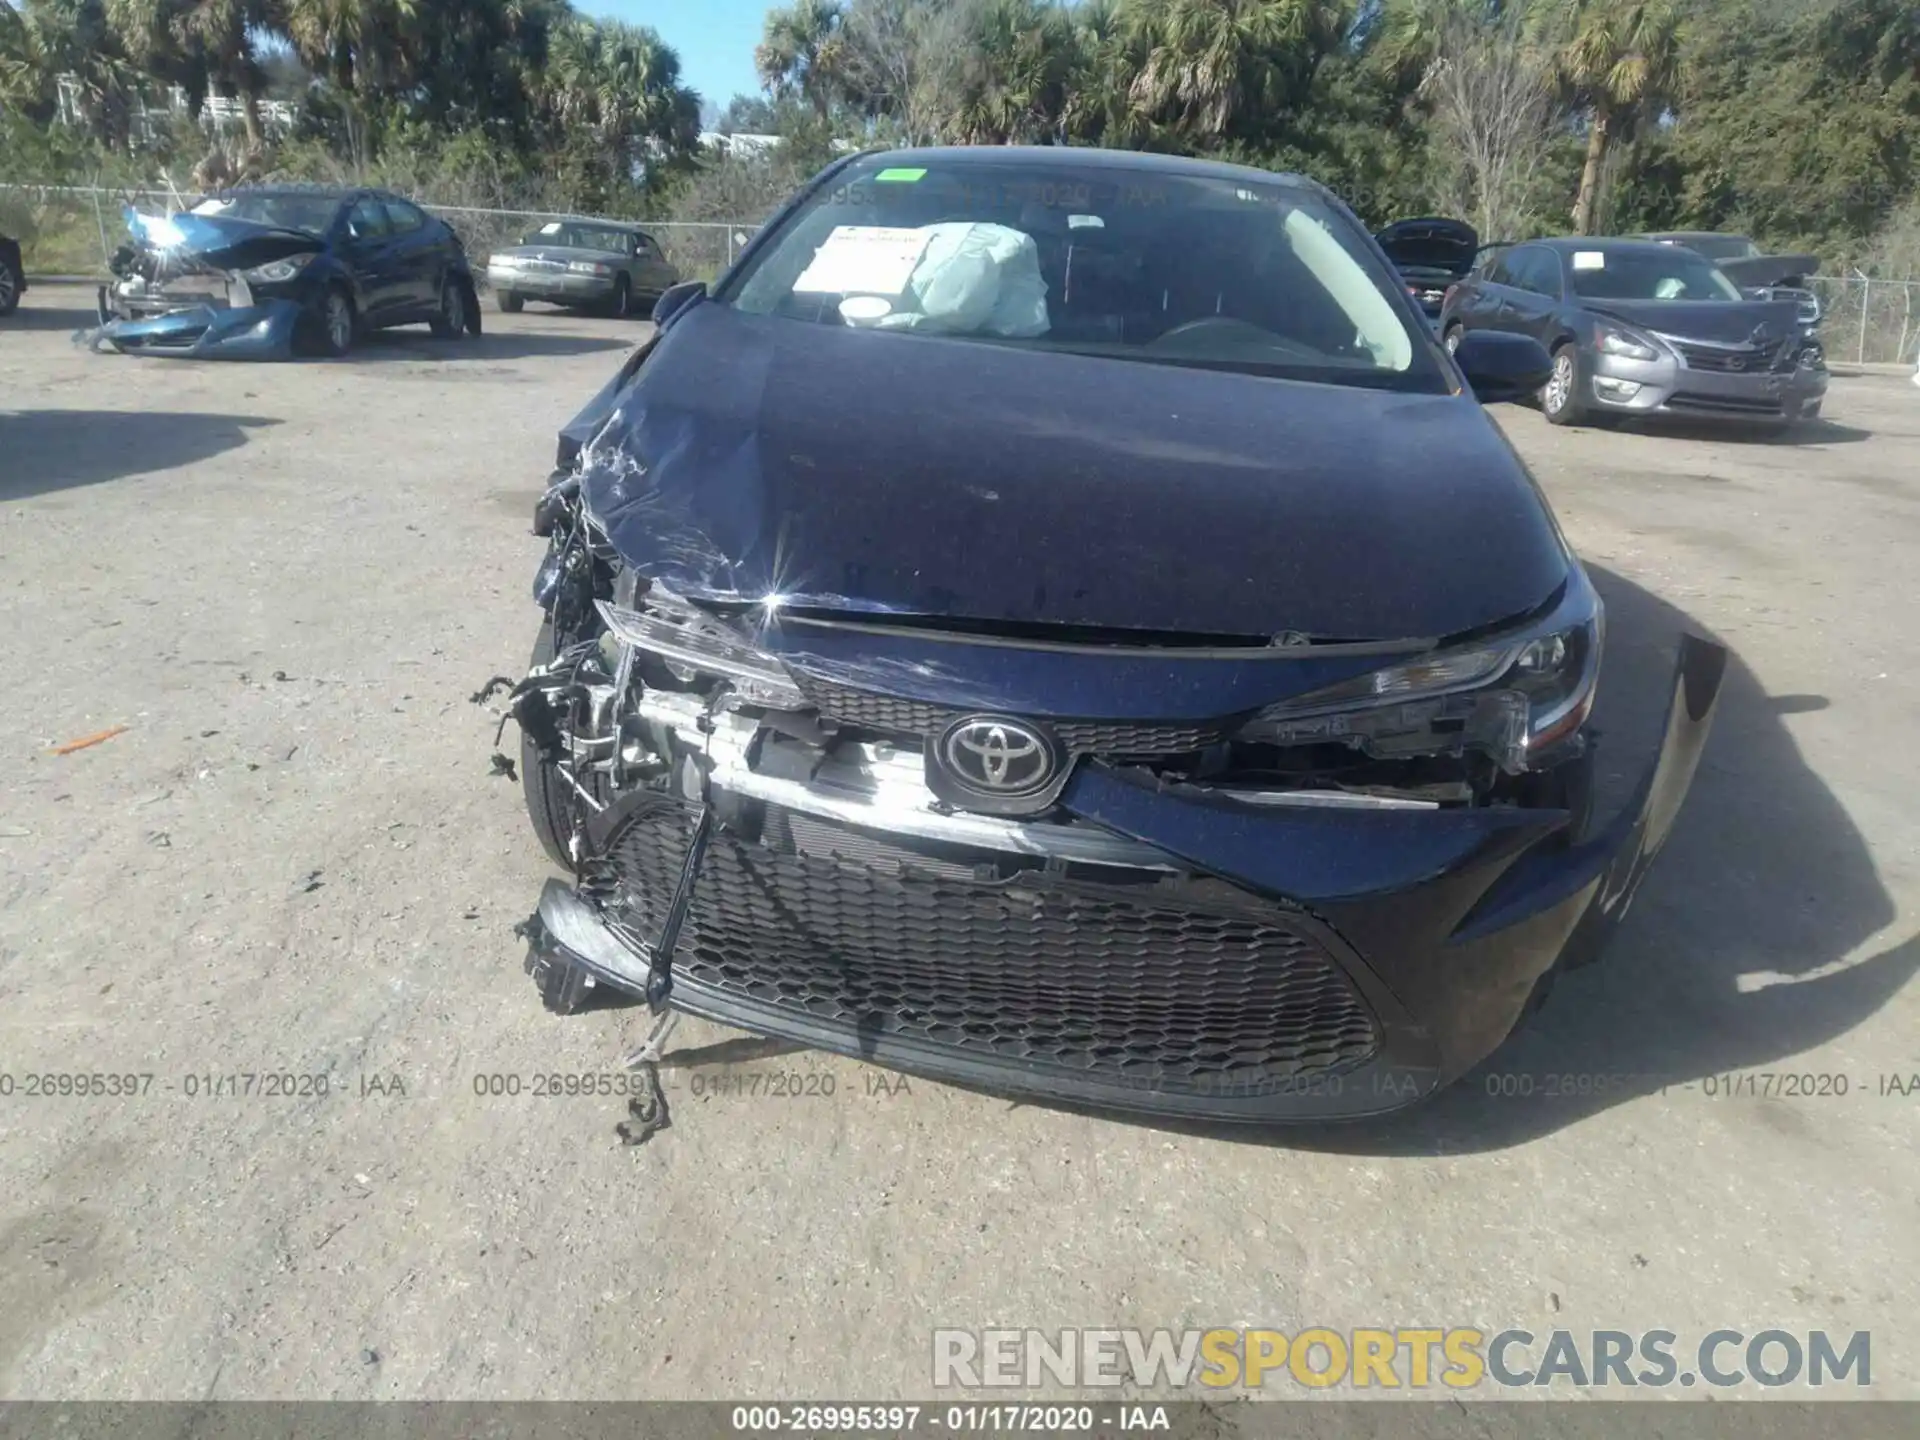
point(695, 643)
point(277, 271)
point(1512, 697)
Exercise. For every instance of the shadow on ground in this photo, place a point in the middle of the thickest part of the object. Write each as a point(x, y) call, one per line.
point(47, 450)
point(62, 319)
point(509, 345)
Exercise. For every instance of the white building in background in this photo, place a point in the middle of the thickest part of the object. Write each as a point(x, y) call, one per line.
point(219, 115)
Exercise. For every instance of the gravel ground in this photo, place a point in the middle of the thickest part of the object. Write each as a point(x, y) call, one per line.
point(286, 580)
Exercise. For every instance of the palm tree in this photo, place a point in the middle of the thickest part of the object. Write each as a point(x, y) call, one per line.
point(345, 39)
point(204, 46)
point(45, 41)
point(800, 51)
point(622, 83)
point(1210, 64)
point(1618, 60)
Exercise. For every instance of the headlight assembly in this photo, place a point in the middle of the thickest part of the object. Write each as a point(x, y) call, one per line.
point(1613, 340)
point(690, 640)
point(1511, 698)
point(276, 271)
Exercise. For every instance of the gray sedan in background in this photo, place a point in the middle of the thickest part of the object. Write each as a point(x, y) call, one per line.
point(1638, 328)
point(585, 264)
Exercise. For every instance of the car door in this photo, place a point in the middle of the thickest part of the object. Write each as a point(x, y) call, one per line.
point(368, 253)
point(654, 274)
point(417, 260)
point(1535, 295)
point(1476, 303)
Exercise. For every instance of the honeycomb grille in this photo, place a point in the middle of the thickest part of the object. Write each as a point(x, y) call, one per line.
point(852, 932)
point(894, 715)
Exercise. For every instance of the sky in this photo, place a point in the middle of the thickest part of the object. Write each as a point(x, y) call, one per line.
point(715, 38)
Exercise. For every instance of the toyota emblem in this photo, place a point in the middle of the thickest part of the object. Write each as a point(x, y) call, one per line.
point(994, 755)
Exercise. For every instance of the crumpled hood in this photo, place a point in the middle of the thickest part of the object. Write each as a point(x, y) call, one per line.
point(752, 456)
point(1723, 322)
point(218, 242)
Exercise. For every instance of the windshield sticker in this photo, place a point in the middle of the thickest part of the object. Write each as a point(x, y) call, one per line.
point(1589, 259)
point(900, 175)
point(552, 227)
point(864, 260)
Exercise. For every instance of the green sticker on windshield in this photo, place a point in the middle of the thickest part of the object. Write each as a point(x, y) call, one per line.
point(902, 174)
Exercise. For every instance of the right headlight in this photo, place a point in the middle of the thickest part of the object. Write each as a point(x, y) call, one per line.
point(1617, 340)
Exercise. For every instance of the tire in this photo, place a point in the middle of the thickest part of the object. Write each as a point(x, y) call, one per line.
point(1451, 339)
point(551, 805)
point(511, 303)
point(337, 323)
point(622, 298)
point(449, 322)
point(1559, 398)
point(12, 282)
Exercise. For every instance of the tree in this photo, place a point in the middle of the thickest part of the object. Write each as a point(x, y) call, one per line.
point(799, 52)
point(1214, 68)
point(1617, 60)
point(1489, 91)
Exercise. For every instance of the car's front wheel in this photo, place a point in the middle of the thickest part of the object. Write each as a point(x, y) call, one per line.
point(337, 322)
point(1559, 397)
point(11, 284)
point(449, 322)
point(622, 304)
point(511, 303)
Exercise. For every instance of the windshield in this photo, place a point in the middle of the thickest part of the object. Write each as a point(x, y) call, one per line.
point(312, 213)
point(1665, 273)
point(1129, 263)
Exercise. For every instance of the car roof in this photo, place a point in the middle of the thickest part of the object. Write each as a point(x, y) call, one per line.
point(1693, 235)
point(317, 192)
point(628, 225)
point(1147, 161)
point(1613, 244)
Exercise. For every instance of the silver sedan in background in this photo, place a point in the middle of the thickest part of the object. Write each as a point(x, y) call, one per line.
point(583, 264)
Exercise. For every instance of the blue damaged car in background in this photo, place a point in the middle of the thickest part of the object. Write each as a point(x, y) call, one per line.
point(1058, 620)
point(262, 272)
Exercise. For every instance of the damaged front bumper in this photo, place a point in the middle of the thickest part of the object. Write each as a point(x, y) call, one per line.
point(261, 329)
point(1151, 948)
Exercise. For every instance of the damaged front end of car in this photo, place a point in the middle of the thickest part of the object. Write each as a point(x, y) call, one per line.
point(202, 288)
point(1293, 880)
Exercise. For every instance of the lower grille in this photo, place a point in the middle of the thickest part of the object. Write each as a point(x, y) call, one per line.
point(849, 930)
point(868, 710)
point(1725, 404)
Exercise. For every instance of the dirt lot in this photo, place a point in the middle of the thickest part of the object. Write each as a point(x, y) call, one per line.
point(285, 581)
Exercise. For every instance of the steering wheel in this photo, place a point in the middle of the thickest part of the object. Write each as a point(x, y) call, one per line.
point(1243, 332)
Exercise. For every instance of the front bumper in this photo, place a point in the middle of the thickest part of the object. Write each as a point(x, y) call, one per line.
point(1669, 386)
point(1158, 950)
point(260, 331)
point(555, 286)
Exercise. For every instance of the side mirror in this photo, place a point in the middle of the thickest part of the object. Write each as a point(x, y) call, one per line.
point(1500, 366)
point(679, 297)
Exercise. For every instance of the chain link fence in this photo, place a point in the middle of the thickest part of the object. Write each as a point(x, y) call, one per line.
point(73, 229)
point(1869, 321)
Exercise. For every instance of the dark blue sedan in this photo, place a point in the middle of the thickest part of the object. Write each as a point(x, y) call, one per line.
point(262, 271)
point(1059, 620)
